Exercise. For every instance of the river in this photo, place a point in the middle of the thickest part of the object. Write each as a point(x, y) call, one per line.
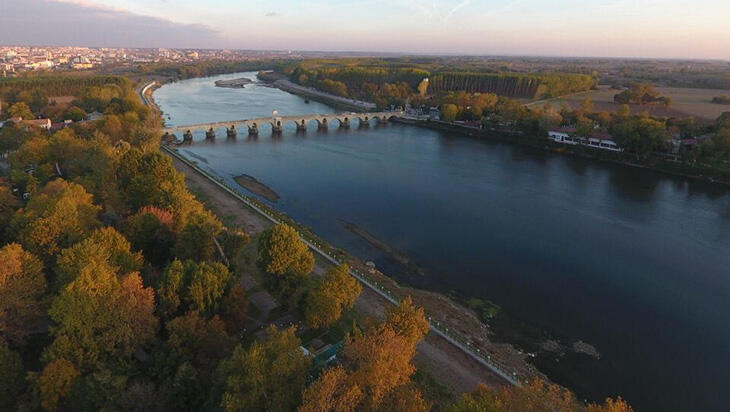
point(634, 262)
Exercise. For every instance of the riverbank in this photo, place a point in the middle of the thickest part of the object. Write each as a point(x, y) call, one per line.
point(460, 350)
point(654, 164)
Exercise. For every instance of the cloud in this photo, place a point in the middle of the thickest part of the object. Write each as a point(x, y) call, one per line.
point(77, 22)
point(272, 14)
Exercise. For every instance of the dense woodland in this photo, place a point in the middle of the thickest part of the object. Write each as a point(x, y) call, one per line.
point(399, 81)
point(207, 68)
point(120, 290)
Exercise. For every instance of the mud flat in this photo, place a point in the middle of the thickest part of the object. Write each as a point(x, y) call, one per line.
point(234, 83)
point(254, 186)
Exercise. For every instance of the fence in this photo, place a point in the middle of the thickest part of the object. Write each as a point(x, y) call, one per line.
point(325, 250)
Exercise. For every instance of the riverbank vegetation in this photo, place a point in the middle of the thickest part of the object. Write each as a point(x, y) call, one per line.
point(120, 290)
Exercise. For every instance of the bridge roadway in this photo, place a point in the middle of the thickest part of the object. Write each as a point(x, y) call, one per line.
point(302, 121)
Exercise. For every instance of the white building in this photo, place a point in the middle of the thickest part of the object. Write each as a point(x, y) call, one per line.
point(602, 141)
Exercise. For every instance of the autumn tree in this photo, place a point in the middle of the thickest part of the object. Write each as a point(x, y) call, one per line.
point(106, 245)
point(22, 285)
point(333, 294)
point(380, 361)
point(333, 391)
point(535, 396)
point(101, 318)
point(57, 217)
point(188, 286)
point(282, 252)
point(405, 398)
point(56, 382)
point(408, 320)
point(267, 376)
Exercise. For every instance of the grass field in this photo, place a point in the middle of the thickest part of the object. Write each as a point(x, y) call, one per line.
point(687, 102)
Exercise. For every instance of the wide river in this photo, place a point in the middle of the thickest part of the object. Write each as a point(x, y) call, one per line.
point(634, 262)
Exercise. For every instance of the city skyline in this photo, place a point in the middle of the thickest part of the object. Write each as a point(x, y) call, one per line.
point(599, 28)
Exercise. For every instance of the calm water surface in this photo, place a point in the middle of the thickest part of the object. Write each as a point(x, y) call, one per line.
point(634, 262)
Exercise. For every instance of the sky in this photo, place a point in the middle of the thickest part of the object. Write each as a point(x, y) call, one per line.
point(610, 28)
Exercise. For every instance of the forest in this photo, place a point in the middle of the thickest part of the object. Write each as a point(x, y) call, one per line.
point(120, 290)
point(393, 82)
point(513, 84)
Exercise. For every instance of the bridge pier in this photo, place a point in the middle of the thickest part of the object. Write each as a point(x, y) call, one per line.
point(382, 120)
point(188, 137)
point(210, 134)
point(232, 133)
point(302, 127)
point(253, 130)
point(322, 125)
point(365, 122)
point(276, 128)
point(345, 124)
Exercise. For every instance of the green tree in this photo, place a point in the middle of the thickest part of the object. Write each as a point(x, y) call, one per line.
point(199, 343)
point(8, 205)
point(268, 376)
point(282, 252)
point(198, 237)
point(22, 285)
point(234, 310)
point(449, 112)
point(56, 382)
point(188, 286)
point(151, 231)
point(106, 245)
point(101, 319)
point(57, 217)
point(640, 135)
point(335, 293)
point(21, 110)
point(12, 377)
point(74, 113)
point(482, 399)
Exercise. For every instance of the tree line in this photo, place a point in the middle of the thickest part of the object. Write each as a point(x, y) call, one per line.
point(512, 84)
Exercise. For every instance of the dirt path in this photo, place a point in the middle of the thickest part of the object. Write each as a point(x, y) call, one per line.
point(448, 365)
point(222, 203)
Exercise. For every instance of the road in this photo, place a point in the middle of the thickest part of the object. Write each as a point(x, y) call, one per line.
point(291, 87)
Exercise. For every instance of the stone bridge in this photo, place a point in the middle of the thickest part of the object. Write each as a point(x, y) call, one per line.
point(277, 123)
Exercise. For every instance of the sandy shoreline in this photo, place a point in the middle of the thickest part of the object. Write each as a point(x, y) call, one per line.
point(254, 186)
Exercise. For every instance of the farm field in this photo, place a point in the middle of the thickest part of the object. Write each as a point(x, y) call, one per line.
point(687, 102)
